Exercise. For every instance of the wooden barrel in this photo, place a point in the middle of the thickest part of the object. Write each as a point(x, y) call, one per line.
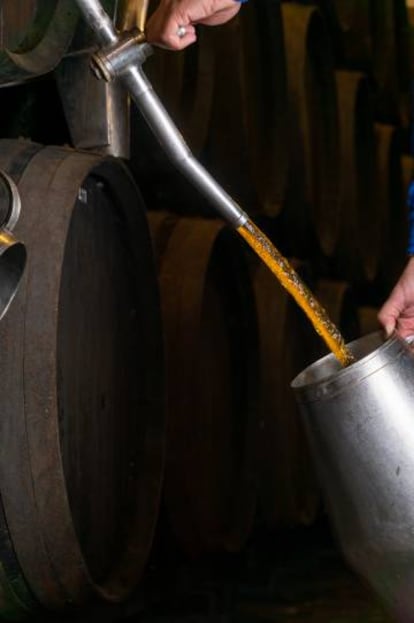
point(374, 37)
point(391, 60)
point(17, 600)
point(184, 81)
point(329, 11)
point(34, 35)
point(247, 146)
point(17, 155)
point(410, 11)
point(368, 319)
point(287, 486)
point(360, 229)
point(265, 99)
point(411, 43)
point(211, 365)
point(314, 171)
point(82, 376)
point(354, 19)
point(227, 153)
point(391, 204)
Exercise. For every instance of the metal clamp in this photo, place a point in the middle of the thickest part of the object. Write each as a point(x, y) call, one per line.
point(110, 62)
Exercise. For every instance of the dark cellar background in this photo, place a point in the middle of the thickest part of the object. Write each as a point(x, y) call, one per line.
point(303, 111)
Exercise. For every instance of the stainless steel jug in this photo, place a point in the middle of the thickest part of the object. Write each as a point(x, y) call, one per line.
point(360, 425)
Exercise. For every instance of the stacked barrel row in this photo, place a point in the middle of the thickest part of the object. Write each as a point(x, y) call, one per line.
point(302, 111)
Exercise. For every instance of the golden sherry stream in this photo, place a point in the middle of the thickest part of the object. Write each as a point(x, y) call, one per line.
point(291, 281)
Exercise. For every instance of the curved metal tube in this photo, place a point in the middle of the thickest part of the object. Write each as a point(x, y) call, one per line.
point(159, 120)
point(177, 149)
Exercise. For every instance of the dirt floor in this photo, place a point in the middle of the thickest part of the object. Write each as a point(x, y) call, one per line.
point(295, 576)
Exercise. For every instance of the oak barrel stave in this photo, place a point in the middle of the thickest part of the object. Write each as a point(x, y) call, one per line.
point(35, 36)
point(211, 371)
point(313, 184)
point(287, 487)
point(391, 204)
point(357, 254)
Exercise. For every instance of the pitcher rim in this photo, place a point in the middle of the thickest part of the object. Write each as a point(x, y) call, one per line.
point(340, 377)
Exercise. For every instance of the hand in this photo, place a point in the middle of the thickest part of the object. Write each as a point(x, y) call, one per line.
point(397, 313)
point(162, 26)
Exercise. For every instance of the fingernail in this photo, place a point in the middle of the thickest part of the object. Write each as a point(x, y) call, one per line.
point(389, 330)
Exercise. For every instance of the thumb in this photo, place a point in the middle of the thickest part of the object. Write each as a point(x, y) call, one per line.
point(389, 328)
point(388, 316)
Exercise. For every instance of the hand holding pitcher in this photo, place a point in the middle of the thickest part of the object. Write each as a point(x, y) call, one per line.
point(397, 313)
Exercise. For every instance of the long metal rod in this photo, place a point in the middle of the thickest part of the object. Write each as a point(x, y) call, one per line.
point(159, 120)
point(99, 21)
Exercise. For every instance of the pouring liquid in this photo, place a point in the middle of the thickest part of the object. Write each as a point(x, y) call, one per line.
point(291, 281)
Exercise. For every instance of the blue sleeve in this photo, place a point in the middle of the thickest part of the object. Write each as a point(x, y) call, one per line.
point(410, 204)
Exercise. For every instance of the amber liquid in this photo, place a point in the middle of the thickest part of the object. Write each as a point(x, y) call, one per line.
point(291, 281)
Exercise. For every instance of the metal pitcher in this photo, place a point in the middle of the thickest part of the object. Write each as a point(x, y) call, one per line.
point(360, 425)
